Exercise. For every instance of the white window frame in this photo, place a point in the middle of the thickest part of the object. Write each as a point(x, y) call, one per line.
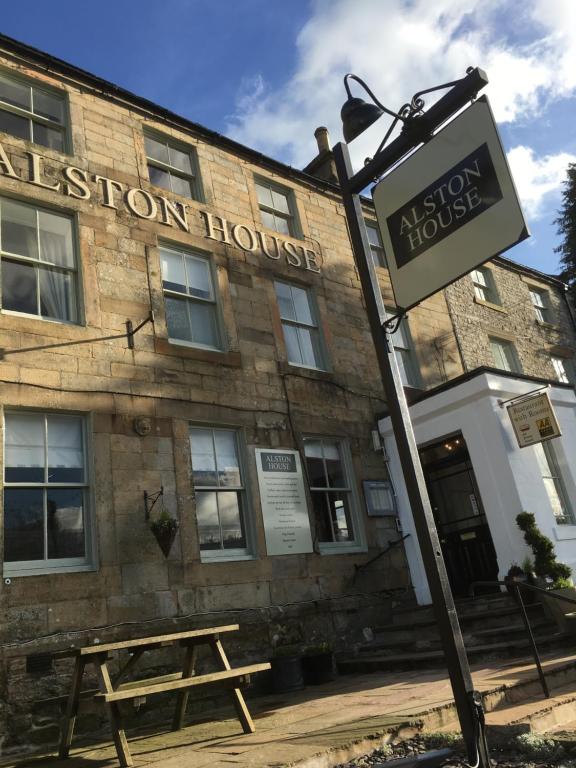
point(322, 363)
point(554, 475)
point(406, 354)
point(213, 300)
point(245, 505)
point(33, 117)
point(358, 544)
point(290, 218)
point(512, 360)
point(563, 368)
point(57, 565)
point(376, 248)
point(485, 285)
point(172, 170)
point(541, 305)
point(38, 264)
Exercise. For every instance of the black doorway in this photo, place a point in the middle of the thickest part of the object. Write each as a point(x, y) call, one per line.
point(464, 533)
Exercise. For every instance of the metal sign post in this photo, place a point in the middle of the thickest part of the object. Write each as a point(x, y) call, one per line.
point(418, 127)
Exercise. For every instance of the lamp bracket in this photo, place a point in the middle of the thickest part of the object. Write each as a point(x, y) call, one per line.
point(411, 114)
point(392, 324)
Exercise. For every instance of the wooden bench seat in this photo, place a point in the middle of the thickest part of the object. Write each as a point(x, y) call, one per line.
point(137, 688)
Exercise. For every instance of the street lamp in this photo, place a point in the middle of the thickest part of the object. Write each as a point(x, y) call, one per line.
point(418, 126)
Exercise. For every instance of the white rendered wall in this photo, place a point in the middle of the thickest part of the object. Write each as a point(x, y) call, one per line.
point(508, 477)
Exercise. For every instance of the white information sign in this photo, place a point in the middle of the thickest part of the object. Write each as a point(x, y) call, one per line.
point(448, 208)
point(534, 420)
point(284, 507)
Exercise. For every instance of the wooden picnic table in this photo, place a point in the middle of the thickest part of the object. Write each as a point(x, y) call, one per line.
point(113, 690)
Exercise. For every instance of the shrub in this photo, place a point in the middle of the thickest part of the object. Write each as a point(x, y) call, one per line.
point(545, 563)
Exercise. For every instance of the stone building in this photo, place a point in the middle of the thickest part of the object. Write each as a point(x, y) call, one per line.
point(516, 334)
point(182, 335)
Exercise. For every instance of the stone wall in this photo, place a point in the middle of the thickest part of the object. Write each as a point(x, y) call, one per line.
point(512, 319)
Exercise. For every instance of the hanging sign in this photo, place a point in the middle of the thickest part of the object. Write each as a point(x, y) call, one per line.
point(284, 507)
point(448, 208)
point(534, 420)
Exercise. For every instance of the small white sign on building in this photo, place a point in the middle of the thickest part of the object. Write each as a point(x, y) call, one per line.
point(284, 507)
point(448, 208)
point(534, 420)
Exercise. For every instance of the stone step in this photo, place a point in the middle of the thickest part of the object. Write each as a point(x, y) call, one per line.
point(535, 714)
point(379, 660)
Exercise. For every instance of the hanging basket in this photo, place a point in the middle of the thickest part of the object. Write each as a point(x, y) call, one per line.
point(164, 529)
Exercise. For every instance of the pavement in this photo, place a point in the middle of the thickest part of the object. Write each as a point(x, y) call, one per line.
point(318, 727)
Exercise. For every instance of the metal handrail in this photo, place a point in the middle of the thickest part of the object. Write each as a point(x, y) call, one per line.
point(391, 545)
point(517, 586)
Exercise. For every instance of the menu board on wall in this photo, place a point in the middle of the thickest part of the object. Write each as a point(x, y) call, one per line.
point(284, 507)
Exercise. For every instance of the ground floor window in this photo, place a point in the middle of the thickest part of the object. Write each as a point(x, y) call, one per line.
point(563, 512)
point(45, 492)
point(220, 493)
point(334, 505)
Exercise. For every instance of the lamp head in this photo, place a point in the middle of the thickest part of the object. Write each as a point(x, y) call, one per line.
point(357, 115)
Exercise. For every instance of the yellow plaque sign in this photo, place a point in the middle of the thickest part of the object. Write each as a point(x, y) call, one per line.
point(534, 420)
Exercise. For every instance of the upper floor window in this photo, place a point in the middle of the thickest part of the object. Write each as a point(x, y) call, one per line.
point(45, 492)
point(541, 305)
point(172, 166)
point(189, 298)
point(276, 208)
point(220, 492)
point(564, 369)
point(29, 111)
point(38, 264)
point(405, 355)
point(484, 286)
point(300, 326)
point(331, 488)
point(504, 355)
point(376, 247)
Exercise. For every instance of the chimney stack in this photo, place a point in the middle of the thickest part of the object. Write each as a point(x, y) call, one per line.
point(323, 139)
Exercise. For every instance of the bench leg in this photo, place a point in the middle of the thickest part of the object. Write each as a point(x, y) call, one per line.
point(237, 698)
point(187, 671)
point(120, 741)
point(69, 719)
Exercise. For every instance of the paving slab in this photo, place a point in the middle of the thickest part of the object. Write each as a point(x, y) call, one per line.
point(314, 728)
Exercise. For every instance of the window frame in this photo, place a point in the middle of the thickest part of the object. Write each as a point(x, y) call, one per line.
point(568, 374)
point(294, 229)
point(215, 301)
point(57, 565)
point(314, 312)
point(516, 367)
point(359, 542)
point(245, 501)
point(540, 299)
point(403, 328)
point(376, 250)
point(195, 178)
point(555, 475)
point(76, 271)
point(61, 94)
point(485, 289)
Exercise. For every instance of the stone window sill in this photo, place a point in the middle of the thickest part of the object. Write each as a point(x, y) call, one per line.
point(490, 305)
point(231, 359)
point(308, 373)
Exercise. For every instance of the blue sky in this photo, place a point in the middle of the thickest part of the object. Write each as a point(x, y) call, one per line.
point(268, 72)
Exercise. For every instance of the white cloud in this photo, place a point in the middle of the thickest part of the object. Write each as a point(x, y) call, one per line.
point(398, 46)
point(537, 178)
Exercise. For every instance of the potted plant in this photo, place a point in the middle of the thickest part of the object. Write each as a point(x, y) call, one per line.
point(164, 527)
point(515, 574)
point(286, 663)
point(318, 664)
point(554, 574)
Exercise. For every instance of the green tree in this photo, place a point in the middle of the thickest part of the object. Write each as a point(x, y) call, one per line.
point(566, 222)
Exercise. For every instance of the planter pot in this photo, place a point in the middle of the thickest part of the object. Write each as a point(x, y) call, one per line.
point(528, 597)
point(558, 609)
point(287, 674)
point(318, 668)
point(165, 539)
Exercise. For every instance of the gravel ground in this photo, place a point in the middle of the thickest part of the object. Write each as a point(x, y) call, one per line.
point(526, 751)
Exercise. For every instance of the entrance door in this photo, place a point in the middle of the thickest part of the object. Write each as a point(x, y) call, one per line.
point(464, 533)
